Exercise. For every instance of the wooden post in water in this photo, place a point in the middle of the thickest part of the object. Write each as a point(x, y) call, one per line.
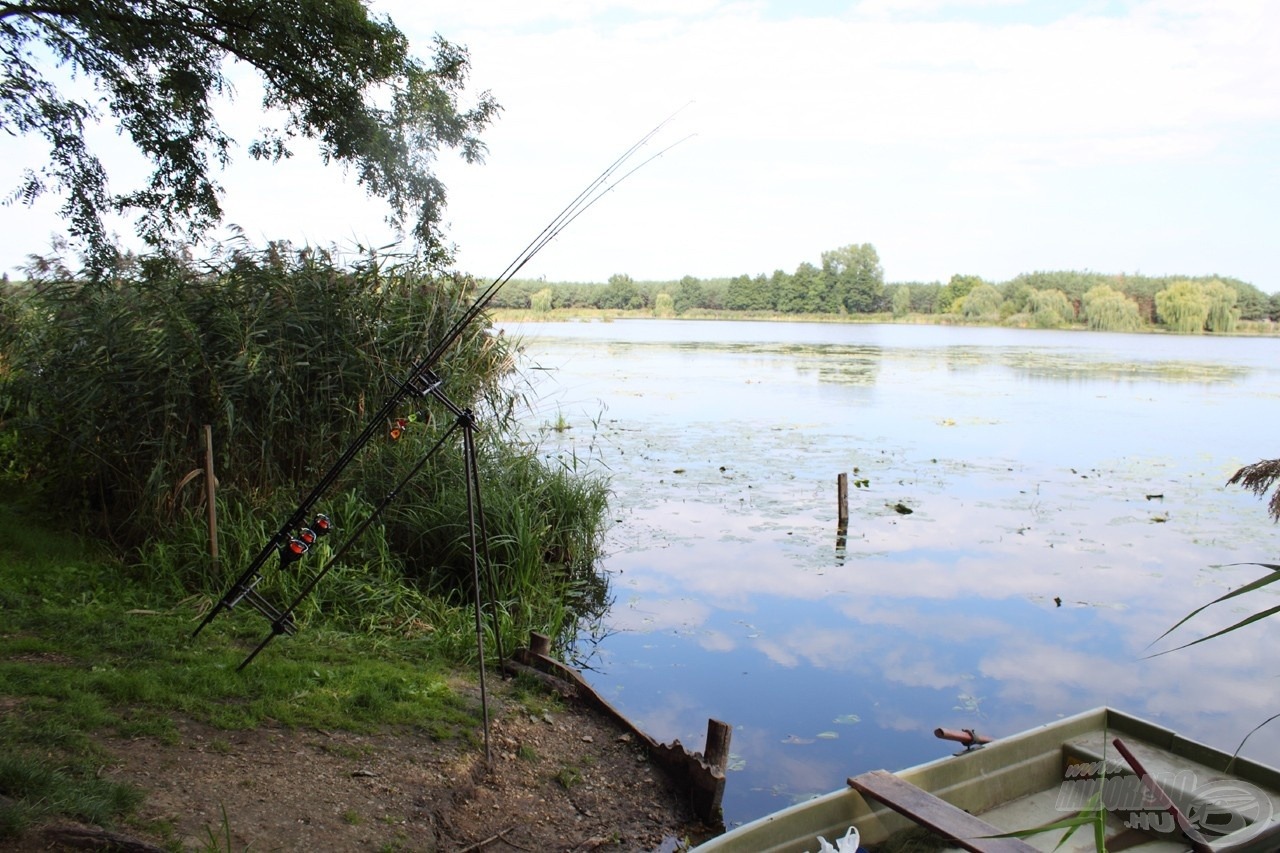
point(540, 644)
point(842, 500)
point(210, 491)
point(842, 515)
point(718, 736)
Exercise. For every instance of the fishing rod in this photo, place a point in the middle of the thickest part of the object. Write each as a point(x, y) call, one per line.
point(283, 624)
point(420, 380)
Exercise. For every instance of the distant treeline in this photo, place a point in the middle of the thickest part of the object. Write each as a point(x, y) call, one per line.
point(850, 281)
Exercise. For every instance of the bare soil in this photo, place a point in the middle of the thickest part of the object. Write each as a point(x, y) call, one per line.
point(564, 780)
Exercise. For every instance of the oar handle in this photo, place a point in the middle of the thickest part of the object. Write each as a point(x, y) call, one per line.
point(964, 737)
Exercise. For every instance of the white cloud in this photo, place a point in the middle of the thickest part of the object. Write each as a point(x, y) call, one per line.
point(672, 614)
point(983, 137)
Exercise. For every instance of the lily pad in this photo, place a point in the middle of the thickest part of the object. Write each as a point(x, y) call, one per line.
point(847, 719)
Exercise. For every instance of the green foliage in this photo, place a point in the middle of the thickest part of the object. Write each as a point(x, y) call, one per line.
point(1093, 816)
point(334, 73)
point(1108, 310)
point(568, 776)
point(855, 277)
point(518, 294)
point(809, 292)
point(89, 649)
point(689, 294)
point(983, 301)
point(901, 300)
point(111, 382)
point(1050, 309)
point(1017, 294)
point(756, 294)
point(1183, 307)
point(849, 284)
point(1265, 580)
point(925, 297)
point(123, 643)
point(220, 841)
point(955, 290)
point(32, 789)
point(283, 353)
point(622, 294)
point(546, 527)
point(1071, 283)
point(1253, 303)
point(1223, 312)
point(1141, 290)
point(540, 302)
point(664, 305)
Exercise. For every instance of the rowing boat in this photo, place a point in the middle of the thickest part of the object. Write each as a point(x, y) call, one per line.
point(1152, 790)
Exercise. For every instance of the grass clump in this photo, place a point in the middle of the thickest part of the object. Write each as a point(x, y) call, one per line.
point(34, 790)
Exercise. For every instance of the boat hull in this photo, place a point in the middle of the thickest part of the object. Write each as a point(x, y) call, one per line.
point(1047, 774)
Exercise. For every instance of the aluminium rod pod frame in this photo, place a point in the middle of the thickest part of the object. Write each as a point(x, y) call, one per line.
point(427, 384)
point(423, 381)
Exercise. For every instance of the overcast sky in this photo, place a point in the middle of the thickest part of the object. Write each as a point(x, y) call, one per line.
point(984, 137)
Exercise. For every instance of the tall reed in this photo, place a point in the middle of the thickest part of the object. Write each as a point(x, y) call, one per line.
point(109, 383)
point(105, 387)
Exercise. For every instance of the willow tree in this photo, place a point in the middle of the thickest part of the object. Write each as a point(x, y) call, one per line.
point(982, 301)
point(1108, 310)
point(955, 290)
point(1050, 308)
point(1183, 307)
point(540, 302)
point(901, 300)
point(1223, 312)
point(331, 73)
point(664, 305)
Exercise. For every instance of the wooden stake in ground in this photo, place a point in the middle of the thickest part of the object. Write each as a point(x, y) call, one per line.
point(210, 490)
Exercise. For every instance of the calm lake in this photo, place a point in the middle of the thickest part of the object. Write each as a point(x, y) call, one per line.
point(1029, 510)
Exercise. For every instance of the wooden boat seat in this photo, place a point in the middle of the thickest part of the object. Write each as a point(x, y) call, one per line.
point(935, 814)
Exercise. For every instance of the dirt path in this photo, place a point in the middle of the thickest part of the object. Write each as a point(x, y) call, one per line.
point(566, 780)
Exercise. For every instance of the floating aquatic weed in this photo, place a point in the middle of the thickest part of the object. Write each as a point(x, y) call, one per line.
point(847, 719)
point(969, 703)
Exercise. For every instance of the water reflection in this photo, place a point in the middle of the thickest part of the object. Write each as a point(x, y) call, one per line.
point(1056, 528)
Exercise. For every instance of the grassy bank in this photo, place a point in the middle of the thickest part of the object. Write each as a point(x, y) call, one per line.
point(87, 650)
